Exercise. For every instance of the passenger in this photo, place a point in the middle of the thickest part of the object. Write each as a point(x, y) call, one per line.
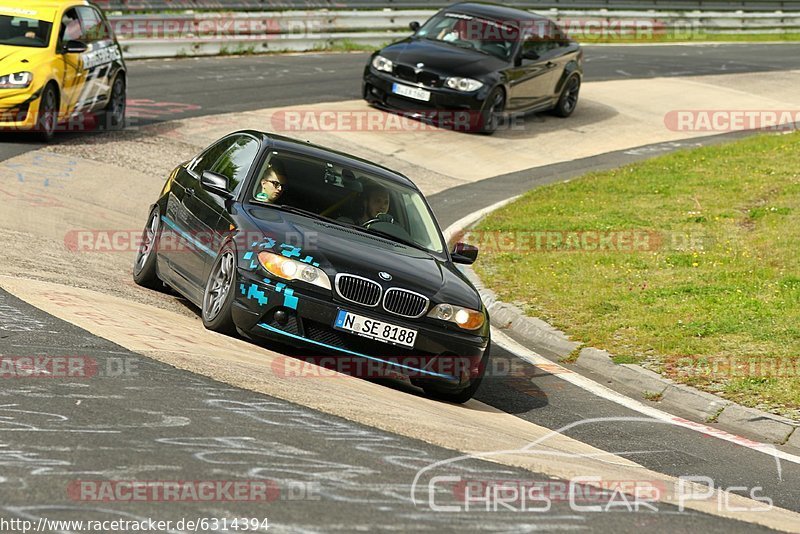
point(273, 184)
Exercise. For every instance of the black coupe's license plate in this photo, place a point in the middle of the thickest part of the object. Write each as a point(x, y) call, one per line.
point(374, 329)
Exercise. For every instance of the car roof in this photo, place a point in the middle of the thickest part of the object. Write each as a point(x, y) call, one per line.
point(45, 4)
point(494, 11)
point(280, 142)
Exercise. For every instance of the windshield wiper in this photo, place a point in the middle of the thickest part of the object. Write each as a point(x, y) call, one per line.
point(299, 211)
point(396, 239)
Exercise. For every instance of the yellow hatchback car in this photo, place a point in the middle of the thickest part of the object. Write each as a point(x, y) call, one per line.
point(60, 68)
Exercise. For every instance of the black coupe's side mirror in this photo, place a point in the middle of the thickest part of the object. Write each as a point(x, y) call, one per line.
point(74, 47)
point(215, 183)
point(530, 54)
point(464, 253)
point(414, 26)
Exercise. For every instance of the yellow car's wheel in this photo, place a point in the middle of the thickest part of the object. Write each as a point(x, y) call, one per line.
point(48, 114)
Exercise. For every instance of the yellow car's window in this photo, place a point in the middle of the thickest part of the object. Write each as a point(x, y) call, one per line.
point(24, 31)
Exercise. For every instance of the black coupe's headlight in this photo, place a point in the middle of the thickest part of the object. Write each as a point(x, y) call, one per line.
point(18, 80)
point(290, 269)
point(466, 318)
point(466, 85)
point(382, 64)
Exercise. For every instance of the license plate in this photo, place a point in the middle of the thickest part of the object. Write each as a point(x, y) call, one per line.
point(411, 92)
point(374, 329)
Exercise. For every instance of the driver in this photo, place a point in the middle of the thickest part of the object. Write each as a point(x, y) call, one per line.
point(375, 201)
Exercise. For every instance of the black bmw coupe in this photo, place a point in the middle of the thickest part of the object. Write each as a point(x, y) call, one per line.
point(472, 63)
point(284, 240)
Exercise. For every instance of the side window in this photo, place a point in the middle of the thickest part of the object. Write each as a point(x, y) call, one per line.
point(236, 161)
point(94, 27)
point(541, 40)
point(70, 27)
point(231, 157)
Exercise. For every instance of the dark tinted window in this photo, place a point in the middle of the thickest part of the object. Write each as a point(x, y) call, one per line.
point(22, 31)
point(236, 160)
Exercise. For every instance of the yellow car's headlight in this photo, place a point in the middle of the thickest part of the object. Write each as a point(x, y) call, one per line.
point(18, 80)
point(466, 318)
point(290, 269)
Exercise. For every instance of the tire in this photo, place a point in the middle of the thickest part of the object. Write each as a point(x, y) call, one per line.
point(219, 293)
point(144, 265)
point(568, 100)
point(112, 118)
point(494, 108)
point(461, 396)
point(47, 120)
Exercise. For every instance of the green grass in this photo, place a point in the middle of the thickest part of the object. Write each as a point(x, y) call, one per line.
point(717, 289)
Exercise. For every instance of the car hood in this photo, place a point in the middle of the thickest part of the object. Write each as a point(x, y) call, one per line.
point(442, 58)
point(338, 249)
point(12, 57)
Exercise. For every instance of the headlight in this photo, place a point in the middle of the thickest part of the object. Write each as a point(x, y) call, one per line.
point(18, 80)
point(463, 84)
point(382, 64)
point(290, 269)
point(464, 317)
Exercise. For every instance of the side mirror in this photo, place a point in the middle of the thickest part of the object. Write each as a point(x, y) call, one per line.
point(530, 54)
point(74, 47)
point(215, 183)
point(414, 26)
point(465, 254)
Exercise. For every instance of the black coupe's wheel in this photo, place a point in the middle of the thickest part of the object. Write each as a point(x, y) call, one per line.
point(493, 111)
point(113, 116)
point(219, 293)
point(569, 97)
point(48, 114)
point(461, 396)
point(144, 266)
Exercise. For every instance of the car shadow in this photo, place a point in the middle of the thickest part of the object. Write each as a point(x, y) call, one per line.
point(529, 125)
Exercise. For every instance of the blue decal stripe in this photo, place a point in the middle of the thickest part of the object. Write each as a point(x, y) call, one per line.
point(374, 359)
point(169, 222)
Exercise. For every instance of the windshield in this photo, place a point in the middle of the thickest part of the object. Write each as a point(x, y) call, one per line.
point(21, 31)
point(487, 36)
point(349, 197)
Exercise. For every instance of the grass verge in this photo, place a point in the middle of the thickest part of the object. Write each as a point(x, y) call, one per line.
point(688, 264)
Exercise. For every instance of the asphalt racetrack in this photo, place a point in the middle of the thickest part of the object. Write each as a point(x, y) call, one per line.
point(173, 402)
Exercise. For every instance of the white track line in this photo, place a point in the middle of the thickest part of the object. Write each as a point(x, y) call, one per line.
point(522, 352)
point(600, 390)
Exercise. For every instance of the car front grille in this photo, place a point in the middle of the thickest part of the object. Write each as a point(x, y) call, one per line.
point(359, 290)
point(409, 74)
point(405, 303)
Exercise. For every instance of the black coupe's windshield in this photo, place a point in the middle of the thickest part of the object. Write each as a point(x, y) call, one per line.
point(350, 197)
point(487, 36)
point(21, 31)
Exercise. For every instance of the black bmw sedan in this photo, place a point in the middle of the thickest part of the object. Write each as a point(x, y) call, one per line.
point(284, 240)
point(471, 63)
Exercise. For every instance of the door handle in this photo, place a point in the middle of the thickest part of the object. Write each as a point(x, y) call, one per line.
point(550, 64)
point(190, 191)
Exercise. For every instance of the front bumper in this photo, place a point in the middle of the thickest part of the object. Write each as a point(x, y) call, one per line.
point(19, 109)
point(446, 107)
point(450, 359)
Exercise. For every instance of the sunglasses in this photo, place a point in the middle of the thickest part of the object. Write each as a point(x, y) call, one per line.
point(276, 184)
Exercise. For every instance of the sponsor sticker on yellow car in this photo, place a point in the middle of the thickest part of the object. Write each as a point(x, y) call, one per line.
point(60, 68)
